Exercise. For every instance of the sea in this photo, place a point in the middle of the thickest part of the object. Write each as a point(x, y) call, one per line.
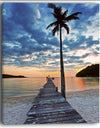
point(26, 86)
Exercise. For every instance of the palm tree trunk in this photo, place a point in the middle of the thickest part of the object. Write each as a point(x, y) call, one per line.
point(62, 68)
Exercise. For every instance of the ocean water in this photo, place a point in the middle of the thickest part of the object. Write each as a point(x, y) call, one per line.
point(27, 86)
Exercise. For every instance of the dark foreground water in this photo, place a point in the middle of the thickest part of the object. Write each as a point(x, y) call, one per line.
point(27, 86)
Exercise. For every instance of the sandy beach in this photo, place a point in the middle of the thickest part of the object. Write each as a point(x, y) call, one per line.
point(14, 109)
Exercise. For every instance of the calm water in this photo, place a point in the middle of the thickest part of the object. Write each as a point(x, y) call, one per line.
point(26, 86)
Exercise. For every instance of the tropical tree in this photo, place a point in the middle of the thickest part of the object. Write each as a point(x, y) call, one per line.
point(60, 23)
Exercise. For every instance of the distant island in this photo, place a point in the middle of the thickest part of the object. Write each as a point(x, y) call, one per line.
point(12, 76)
point(90, 71)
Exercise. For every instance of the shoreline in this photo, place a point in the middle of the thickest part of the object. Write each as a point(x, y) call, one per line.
point(29, 95)
point(85, 102)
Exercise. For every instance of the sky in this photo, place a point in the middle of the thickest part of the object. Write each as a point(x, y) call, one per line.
point(29, 49)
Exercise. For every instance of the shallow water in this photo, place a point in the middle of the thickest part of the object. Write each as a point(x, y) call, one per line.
point(26, 86)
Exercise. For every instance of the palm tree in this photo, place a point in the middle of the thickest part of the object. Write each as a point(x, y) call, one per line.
point(60, 23)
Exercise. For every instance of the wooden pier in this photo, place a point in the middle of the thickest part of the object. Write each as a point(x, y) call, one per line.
point(51, 107)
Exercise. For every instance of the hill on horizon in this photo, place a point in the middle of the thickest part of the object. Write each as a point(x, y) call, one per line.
point(89, 71)
point(12, 76)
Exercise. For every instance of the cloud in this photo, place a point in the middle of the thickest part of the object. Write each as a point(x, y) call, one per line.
point(38, 14)
point(26, 42)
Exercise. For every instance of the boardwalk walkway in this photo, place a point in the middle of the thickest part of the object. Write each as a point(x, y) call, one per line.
point(51, 107)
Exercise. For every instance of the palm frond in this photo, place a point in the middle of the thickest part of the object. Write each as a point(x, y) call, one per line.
point(54, 15)
point(66, 27)
point(58, 11)
point(55, 30)
point(64, 14)
point(51, 5)
point(73, 16)
point(52, 24)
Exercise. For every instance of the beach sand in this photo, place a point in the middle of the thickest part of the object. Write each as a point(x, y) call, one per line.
point(86, 103)
point(14, 109)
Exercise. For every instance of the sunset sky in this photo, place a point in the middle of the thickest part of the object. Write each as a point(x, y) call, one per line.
point(29, 49)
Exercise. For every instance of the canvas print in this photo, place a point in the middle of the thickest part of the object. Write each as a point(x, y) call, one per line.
point(50, 63)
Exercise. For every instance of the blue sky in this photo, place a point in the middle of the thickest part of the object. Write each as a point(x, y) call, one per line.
point(28, 45)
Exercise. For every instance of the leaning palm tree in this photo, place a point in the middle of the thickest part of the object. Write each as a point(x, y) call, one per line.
point(60, 23)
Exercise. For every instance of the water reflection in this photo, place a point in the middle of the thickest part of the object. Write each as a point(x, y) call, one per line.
point(23, 86)
point(79, 84)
